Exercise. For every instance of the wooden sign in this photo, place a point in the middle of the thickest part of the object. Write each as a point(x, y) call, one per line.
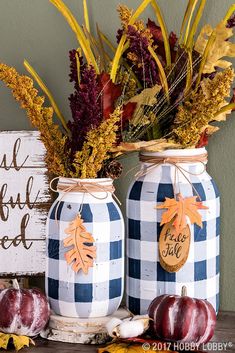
point(24, 203)
point(173, 247)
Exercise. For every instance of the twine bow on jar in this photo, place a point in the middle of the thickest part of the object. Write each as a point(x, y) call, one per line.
point(176, 161)
point(84, 187)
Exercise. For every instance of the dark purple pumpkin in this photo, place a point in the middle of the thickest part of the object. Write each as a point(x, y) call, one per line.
point(182, 319)
point(23, 311)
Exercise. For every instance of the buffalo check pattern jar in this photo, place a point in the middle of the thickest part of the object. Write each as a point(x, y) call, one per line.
point(146, 279)
point(99, 292)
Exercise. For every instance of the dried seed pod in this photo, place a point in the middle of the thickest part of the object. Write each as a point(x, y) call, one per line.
point(113, 170)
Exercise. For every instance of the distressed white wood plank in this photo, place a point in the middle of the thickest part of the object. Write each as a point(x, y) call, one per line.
point(24, 203)
point(30, 183)
point(23, 146)
point(23, 261)
point(32, 220)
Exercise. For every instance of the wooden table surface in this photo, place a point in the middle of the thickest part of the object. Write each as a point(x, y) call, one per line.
point(225, 333)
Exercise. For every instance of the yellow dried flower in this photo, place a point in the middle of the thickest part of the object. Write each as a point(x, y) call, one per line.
point(145, 32)
point(125, 15)
point(140, 26)
point(97, 148)
point(24, 92)
point(194, 115)
point(133, 57)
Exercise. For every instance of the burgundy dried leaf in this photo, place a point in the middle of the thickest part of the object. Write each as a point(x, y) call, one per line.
point(155, 31)
point(128, 111)
point(158, 40)
point(109, 94)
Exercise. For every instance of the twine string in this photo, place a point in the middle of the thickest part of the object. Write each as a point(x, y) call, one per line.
point(176, 162)
point(175, 182)
point(84, 187)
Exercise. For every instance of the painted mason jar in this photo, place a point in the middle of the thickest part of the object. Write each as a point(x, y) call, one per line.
point(146, 278)
point(98, 292)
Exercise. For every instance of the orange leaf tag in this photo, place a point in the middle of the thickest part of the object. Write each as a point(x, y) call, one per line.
point(180, 209)
point(175, 237)
point(82, 253)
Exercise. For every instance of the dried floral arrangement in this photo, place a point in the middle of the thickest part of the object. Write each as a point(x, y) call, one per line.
point(152, 90)
point(186, 82)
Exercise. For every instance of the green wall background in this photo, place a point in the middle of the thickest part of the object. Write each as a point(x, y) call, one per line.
point(33, 29)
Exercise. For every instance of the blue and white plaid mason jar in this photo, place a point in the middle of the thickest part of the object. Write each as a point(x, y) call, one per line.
point(146, 279)
point(99, 292)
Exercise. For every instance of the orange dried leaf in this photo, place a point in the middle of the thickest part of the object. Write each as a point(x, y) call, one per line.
point(150, 146)
point(19, 342)
point(131, 348)
point(180, 209)
point(82, 253)
point(220, 49)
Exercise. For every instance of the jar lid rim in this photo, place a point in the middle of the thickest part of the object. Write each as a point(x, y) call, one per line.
point(88, 180)
point(176, 152)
